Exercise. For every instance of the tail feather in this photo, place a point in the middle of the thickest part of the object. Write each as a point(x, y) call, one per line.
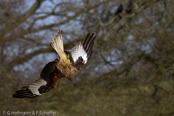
point(57, 43)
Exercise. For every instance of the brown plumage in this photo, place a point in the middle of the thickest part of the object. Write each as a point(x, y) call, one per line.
point(69, 61)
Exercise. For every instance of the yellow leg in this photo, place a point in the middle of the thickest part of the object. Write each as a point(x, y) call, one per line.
point(68, 56)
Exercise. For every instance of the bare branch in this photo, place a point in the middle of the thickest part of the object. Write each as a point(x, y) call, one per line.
point(23, 17)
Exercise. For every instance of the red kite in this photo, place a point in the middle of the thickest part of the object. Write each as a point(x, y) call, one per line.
point(68, 62)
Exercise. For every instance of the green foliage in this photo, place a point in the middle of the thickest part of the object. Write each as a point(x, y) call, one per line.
point(95, 97)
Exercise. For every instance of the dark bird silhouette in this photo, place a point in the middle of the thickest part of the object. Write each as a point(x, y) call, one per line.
point(119, 9)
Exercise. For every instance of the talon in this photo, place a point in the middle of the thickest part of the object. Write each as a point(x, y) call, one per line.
point(68, 57)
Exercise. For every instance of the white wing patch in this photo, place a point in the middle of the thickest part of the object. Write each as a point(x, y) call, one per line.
point(79, 51)
point(36, 85)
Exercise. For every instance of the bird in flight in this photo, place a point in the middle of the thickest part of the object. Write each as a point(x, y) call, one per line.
point(68, 62)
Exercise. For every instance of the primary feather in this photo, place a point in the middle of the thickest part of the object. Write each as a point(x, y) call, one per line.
point(82, 52)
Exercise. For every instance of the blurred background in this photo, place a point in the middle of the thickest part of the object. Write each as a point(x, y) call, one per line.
point(130, 73)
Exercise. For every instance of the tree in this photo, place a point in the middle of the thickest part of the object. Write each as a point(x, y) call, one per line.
point(137, 47)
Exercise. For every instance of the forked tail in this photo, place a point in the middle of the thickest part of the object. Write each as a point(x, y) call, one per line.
point(57, 44)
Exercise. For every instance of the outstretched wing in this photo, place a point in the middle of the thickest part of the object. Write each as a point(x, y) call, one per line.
point(82, 52)
point(48, 80)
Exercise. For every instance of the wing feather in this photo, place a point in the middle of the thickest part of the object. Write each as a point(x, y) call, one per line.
point(48, 80)
point(82, 52)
